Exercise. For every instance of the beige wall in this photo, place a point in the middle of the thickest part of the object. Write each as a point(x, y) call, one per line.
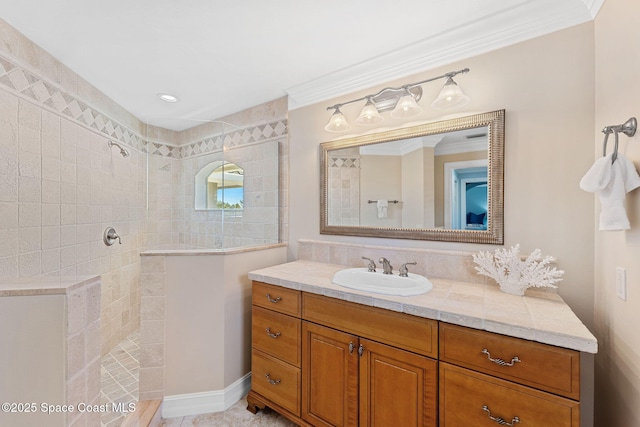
point(195, 330)
point(617, 59)
point(32, 326)
point(545, 86)
point(380, 179)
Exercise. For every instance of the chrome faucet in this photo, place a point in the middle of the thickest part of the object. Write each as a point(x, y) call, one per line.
point(387, 268)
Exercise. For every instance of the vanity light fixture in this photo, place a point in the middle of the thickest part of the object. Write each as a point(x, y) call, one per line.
point(402, 101)
point(406, 107)
point(369, 114)
point(337, 122)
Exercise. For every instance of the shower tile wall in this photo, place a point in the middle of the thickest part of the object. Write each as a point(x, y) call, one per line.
point(258, 222)
point(344, 181)
point(61, 185)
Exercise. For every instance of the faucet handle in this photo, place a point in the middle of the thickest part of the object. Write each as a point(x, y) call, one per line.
point(404, 271)
point(110, 236)
point(372, 265)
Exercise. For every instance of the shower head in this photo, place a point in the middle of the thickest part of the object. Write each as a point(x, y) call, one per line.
point(123, 150)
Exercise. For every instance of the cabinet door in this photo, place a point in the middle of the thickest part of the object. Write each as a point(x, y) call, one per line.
point(330, 376)
point(397, 388)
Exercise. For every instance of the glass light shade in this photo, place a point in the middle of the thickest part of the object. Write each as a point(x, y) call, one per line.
point(406, 107)
point(369, 115)
point(337, 122)
point(450, 96)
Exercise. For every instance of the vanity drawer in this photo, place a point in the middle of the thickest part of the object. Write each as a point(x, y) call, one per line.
point(276, 298)
point(282, 386)
point(542, 366)
point(276, 334)
point(411, 333)
point(464, 394)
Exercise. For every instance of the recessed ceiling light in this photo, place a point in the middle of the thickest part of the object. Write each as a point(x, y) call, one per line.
point(167, 97)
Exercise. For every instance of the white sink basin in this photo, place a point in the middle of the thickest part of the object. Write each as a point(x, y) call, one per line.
point(388, 284)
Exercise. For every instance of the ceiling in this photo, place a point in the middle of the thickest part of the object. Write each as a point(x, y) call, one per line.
point(221, 57)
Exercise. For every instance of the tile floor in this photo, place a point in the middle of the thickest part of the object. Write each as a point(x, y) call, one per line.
point(235, 416)
point(119, 377)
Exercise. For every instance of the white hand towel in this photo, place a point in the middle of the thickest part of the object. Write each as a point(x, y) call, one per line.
point(612, 182)
point(382, 208)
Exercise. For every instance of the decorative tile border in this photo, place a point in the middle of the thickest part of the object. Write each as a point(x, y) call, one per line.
point(34, 88)
point(344, 162)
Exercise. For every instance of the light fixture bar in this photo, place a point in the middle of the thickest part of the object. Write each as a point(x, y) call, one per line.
point(400, 89)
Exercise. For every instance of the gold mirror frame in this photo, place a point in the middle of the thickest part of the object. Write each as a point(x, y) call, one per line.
point(494, 234)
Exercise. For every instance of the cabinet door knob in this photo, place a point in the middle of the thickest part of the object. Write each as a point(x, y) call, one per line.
point(360, 350)
point(277, 299)
point(499, 420)
point(271, 334)
point(272, 382)
point(351, 347)
point(501, 362)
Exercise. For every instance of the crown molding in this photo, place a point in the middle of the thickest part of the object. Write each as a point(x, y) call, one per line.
point(593, 6)
point(514, 24)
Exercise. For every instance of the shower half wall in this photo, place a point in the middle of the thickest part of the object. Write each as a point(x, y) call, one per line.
point(195, 326)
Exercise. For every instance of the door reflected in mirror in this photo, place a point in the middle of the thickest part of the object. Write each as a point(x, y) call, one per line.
point(440, 181)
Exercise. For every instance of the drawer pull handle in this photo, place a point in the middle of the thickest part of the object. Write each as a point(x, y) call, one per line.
point(273, 300)
point(501, 362)
point(271, 334)
point(272, 382)
point(500, 420)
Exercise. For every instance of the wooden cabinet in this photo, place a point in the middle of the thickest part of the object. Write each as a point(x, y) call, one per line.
point(357, 370)
point(330, 376)
point(275, 350)
point(397, 387)
point(350, 381)
point(322, 361)
point(487, 378)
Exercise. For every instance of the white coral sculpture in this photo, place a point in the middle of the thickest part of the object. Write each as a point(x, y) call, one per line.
point(515, 275)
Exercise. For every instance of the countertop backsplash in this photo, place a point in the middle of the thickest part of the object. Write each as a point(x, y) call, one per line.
point(453, 265)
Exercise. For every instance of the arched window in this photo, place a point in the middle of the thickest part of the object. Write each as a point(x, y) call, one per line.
point(219, 185)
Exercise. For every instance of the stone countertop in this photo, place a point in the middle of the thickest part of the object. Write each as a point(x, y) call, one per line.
point(43, 285)
point(538, 316)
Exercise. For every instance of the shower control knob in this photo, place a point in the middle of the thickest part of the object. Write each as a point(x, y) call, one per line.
point(110, 236)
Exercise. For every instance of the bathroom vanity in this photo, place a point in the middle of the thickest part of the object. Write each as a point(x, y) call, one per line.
point(324, 355)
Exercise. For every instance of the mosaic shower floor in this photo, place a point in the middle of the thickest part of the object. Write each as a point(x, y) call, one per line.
point(119, 377)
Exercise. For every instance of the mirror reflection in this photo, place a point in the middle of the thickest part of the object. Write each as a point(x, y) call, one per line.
point(441, 181)
point(431, 181)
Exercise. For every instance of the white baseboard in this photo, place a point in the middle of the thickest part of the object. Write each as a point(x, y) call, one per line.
point(181, 405)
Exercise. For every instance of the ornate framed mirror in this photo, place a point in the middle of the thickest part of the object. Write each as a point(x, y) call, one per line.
point(439, 181)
